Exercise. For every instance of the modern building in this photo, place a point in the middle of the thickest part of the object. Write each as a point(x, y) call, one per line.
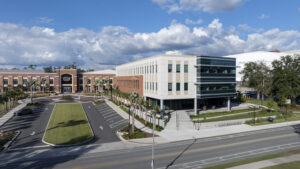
point(216, 80)
point(171, 80)
point(62, 81)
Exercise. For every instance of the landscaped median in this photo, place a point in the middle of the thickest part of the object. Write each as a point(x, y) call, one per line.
point(68, 125)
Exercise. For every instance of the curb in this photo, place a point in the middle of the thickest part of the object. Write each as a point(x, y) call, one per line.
point(69, 145)
point(11, 141)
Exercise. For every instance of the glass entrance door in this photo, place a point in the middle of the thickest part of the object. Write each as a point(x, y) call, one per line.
point(67, 89)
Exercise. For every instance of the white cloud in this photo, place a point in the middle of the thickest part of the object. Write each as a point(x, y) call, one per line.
point(191, 22)
point(115, 45)
point(247, 28)
point(210, 6)
point(173, 52)
point(264, 16)
point(44, 20)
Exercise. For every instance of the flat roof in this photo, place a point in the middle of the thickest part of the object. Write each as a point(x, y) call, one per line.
point(155, 56)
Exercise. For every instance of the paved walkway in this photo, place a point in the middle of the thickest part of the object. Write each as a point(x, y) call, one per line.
point(10, 114)
point(268, 163)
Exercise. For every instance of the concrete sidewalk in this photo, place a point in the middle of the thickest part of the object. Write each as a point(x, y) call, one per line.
point(268, 163)
point(10, 114)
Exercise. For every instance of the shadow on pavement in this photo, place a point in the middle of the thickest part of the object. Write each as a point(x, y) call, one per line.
point(179, 155)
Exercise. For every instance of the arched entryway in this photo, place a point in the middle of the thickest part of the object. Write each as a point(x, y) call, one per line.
point(66, 83)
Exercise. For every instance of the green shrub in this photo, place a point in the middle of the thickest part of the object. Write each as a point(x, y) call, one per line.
point(5, 138)
point(66, 97)
point(98, 101)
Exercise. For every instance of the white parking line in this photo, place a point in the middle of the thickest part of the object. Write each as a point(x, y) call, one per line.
point(110, 115)
point(33, 133)
point(101, 127)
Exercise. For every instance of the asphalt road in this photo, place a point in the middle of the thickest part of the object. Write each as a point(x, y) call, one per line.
point(32, 126)
point(185, 154)
point(102, 131)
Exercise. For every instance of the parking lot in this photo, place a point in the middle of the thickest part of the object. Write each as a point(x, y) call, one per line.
point(104, 122)
point(113, 119)
point(31, 126)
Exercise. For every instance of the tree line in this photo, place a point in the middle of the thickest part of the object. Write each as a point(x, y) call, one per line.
point(281, 80)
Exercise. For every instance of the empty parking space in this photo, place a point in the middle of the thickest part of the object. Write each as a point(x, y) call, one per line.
point(113, 119)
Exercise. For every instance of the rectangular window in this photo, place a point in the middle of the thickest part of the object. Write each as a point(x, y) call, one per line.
point(177, 86)
point(5, 81)
point(156, 68)
point(24, 81)
point(177, 68)
point(51, 81)
point(186, 68)
point(169, 67)
point(169, 86)
point(15, 81)
point(186, 86)
point(156, 86)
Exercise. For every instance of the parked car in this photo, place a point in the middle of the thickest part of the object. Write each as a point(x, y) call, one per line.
point(23, 112)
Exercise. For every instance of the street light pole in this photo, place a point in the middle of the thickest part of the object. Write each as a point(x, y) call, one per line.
point(152, 162)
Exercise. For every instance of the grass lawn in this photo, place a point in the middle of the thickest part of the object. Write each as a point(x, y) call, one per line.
point(219, 113)
point(292, 165)
point(68, 125)
point(251, 160)
point(263, 113)
point(294, 117)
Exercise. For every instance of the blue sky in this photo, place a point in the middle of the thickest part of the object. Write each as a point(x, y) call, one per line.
point(105, 33)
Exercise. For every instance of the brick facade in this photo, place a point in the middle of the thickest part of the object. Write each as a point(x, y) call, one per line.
point(58, 84)
point(129, 84)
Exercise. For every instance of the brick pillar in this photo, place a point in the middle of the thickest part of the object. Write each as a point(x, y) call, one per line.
point(93, 84)
point(56, 84)
point(84, 83)
point(74, 87)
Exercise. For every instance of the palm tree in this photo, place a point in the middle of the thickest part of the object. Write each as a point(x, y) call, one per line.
point(133, 96)
point(155, 110)
point(32, 83)
point(102, 83)
point(97, 83)
point(146, 106)
point(140, 102)
point(43, 81)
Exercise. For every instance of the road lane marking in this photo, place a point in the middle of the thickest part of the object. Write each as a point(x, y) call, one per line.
point(101, 127)
point(131, 160)
point(33, 133)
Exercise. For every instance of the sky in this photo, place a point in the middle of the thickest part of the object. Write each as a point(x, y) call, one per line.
point(101, 34)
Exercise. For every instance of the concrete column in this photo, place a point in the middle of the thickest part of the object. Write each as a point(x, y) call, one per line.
point(195, 106)
point(161, 104)
point(228, 104)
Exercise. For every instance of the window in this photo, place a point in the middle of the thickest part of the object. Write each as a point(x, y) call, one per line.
point(177, 68)
point(169, 86)
point(51, 81)
point(156, 68)
point(186, 87)
point(156, 86)
point(5, 81)
point(186, 68)
point(177, 86)
point(15, 81)
point(169, 67)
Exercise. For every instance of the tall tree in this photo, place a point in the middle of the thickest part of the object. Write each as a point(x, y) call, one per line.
point(133, 98)
point(48, 69)
point(286, 78)
point(257, 76)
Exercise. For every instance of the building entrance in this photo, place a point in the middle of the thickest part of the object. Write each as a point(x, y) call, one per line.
point(67, 89)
